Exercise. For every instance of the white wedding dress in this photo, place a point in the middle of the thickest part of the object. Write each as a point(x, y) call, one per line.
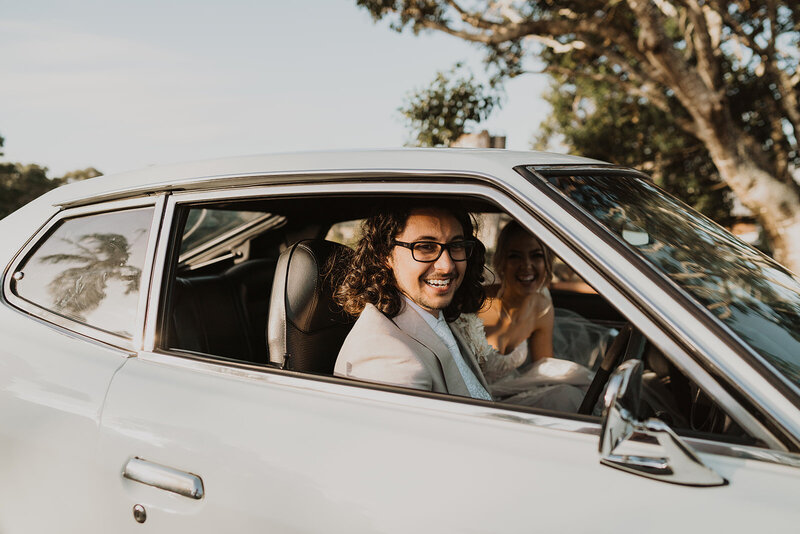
point(551, 383)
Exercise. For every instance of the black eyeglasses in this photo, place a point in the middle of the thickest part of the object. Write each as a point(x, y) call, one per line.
point(430, 251)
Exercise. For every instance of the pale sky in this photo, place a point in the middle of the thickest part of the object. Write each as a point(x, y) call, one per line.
point(122, 85)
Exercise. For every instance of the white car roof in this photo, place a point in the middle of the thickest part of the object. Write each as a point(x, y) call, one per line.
point(439, 160)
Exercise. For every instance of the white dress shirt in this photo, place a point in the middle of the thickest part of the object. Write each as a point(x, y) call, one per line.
point(442, 329)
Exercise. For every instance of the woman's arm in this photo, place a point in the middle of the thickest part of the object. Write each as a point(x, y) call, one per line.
point(540, 344)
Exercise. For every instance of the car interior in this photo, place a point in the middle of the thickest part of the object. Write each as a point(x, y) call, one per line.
point(249, 284)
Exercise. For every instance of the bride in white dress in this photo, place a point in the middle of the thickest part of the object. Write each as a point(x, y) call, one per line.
point(513, 335)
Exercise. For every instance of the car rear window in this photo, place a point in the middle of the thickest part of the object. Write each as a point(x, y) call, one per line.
point(88, 269)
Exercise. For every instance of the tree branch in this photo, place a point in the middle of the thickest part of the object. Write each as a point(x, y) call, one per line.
point(707, 63)
point(734, 26)
point(473, 19)
point(700, 101)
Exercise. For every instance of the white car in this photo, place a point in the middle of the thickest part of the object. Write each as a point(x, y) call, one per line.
point(160, 370)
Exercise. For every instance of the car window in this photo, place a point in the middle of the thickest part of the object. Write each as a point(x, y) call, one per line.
point(212, 235)
point(205, 224)
point(221, 310)
point(747, 291)
point(89, 269)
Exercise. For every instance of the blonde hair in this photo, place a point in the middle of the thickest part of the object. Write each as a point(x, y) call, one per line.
point(501, 251)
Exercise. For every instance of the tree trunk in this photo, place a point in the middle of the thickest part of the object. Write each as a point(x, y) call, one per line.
point(775, 203)
point(737, 155)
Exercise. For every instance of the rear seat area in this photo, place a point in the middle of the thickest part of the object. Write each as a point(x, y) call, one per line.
point(225, 314)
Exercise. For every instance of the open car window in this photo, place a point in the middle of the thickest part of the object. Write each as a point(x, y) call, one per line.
point(221, 290)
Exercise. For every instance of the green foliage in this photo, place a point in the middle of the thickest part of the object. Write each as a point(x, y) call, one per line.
point(441, 112)
point(408, 12)
point(19, 184)
point(599, 120)
point(640, 82)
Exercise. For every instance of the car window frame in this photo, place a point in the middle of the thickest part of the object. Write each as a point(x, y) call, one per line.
point(72, 326)
point(517, 203)
point(717, 350)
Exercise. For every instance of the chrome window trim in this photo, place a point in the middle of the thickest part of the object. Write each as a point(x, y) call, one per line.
point(223, 182)
point(148, 269)
point(564, 243)
point(154, 292)
point(60, 322)
point(718, 356)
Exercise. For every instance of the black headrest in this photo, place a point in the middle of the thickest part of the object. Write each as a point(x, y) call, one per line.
point(306, 327)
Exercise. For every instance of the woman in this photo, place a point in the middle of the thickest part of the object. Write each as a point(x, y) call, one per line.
point(518, 324)
point(519, 317)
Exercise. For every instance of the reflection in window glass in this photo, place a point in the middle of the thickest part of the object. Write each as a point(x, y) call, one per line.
point(203, 225)
point(746, 290)
point(89, 269)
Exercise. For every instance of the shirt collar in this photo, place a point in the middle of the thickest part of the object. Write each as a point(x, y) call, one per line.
point(430, 319)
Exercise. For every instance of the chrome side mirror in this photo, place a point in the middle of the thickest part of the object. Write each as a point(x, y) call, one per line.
point(679, 463)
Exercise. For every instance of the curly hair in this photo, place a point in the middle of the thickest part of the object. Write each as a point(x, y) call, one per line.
point(367, 278)
point(501, 250)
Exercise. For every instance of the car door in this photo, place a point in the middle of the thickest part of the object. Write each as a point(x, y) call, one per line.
point(296, 454)
point(207, 444)
point(58, 355)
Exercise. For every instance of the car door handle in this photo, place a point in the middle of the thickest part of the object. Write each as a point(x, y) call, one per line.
point(163, 477)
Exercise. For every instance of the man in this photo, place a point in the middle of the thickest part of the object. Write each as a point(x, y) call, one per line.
point(416, 267)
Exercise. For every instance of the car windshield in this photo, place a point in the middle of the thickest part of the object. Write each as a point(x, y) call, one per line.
point(749, 292)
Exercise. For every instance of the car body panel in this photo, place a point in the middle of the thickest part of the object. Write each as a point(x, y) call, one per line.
point(264, 169)
point(52, 387)
point(347, 459)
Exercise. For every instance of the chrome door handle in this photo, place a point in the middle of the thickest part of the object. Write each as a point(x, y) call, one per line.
point(163, 477)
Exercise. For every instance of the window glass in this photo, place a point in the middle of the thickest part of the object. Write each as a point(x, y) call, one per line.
point(203, 225)
point(744, 289)
point(89, 269)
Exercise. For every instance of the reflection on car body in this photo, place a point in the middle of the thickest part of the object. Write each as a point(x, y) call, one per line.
point(141, 381)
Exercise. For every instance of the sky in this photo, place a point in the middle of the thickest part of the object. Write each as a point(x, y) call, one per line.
point(122, 85)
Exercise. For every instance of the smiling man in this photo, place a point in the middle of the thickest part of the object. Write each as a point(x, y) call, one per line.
point(417, 267)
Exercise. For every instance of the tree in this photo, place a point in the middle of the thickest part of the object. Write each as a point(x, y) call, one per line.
point(691, 59)
point(19, 184)
point(600, 120)
point(441, 112)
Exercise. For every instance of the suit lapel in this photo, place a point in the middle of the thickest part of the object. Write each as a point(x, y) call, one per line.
point(410, 322)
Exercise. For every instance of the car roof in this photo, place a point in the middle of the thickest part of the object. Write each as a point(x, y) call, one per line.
point(237, 170)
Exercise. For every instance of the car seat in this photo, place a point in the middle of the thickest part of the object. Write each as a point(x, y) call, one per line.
point(305, 327)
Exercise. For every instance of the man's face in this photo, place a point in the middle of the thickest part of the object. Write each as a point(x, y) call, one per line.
point(430, 285)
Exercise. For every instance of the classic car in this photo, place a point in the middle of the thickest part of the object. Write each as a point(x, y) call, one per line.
point(163, 369)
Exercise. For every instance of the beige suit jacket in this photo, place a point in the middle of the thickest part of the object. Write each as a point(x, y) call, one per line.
point(403, 351)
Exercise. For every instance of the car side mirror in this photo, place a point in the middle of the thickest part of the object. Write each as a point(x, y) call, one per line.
point(679, 463)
